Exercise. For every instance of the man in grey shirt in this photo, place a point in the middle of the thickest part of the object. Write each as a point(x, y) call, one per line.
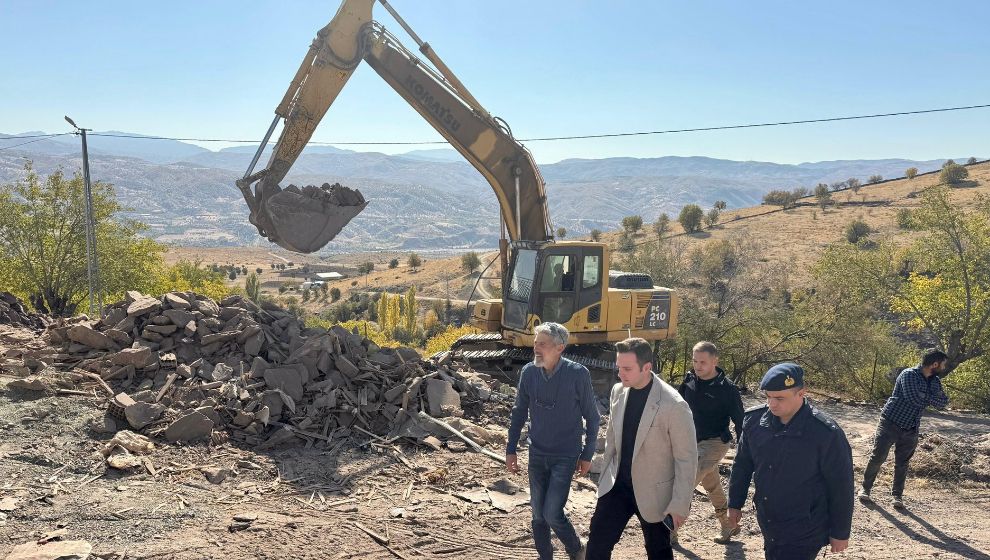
point(556, 395)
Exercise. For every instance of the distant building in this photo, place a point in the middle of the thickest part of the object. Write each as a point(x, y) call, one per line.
point(327, 276)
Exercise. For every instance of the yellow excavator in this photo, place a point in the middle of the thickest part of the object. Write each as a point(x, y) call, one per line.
point(541, 279)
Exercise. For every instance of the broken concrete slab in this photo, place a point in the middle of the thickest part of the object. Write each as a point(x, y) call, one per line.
point(191, 427)
point(140, 414)
point(443, 399)
point(137, 357)
point(286, 379)
point(89, 337)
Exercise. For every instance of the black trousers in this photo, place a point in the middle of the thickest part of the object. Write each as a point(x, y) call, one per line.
point(784, 552)
point(612, 513)
point(904, 442)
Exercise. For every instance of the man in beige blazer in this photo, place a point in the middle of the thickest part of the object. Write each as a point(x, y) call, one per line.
point(651, 457)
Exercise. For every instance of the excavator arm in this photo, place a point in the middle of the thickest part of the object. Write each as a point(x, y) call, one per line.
point(306, 220)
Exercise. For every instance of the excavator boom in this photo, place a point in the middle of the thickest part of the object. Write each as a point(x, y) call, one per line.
point(306, 220)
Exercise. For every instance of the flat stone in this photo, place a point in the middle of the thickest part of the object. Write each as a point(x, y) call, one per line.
point(162, 329)
point(191, 427)
point(178, 317)
point(346, 367)
point(90, 337)
point(52, 550)
point(286, 379)
point(252, 346)
point(216, 475)
point(151, 335)
point(176, 301)
point(137, 357)
point(207, 307)
point(222, 372)
point(119, 336)
point(190, 328)
point(28, 383)
point(143, 306)
point(443, 399)
point(184, 371)
point(219, 337)
point(140, 414)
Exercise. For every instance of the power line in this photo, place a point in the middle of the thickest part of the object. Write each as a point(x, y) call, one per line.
point(34, 136)
point(583, 136)
point(45, 137)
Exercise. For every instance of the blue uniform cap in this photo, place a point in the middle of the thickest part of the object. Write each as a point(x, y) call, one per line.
point(783, 376)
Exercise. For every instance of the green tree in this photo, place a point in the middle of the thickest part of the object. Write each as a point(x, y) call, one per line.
point(823, 195)
point(711, 218)
point(43, 242)
point(414, 261)
point(365, 269)
point(939, 285)
point(596, 235)
point(334, 294)
point(854, 184)
point(662, 226)
point(720, 204)
point(632, 224)
point(626, 244)
point(561, 233)
point(394, 263)
point(905, 219)
point(470, 261)
point(779, 197)
point(690, 218)
point(971, 161)
point(305, 295)
point(857, 230)
point(409, 311)
point(911, 172)
point(875, 179)
point(252, 286)
point(953, 174)
point(325, 290)
point(232, 274)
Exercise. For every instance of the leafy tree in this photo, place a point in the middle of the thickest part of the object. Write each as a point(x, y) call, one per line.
point(875, 179)
point(838, 186)
point(690, 218)
point(409, 311)
point(394, 263)
point(854, 184)
point(799, 192)
point(953, 174)
point(596, 235)
point(778, 197)
point(470, 261)
point(305, 295)
point(273, 266)
point(711, 218)
point(720, 205)
point(252, 286)
point(232, 274)
point(857, 230)
point(334, 294)
point(632, 224)
point(561, 232)
point(325, 289)
point(414, 261)
point(365, 269)
point(911, 172)
point(626, 244)
point(662, 226)
point(971, 161)
point(823, 195)
point(905, 219)
point(43, 243)
point(939, 285)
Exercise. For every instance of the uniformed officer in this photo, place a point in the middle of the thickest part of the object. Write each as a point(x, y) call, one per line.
point(803, 471)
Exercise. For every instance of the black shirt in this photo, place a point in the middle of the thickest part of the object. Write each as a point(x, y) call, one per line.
point(713, 403)
point(635, 403)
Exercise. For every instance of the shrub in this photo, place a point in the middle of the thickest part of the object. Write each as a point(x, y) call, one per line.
point(596, 235)
point(632, 224)
point(953, 174)
point(690, 218)
point(905, 219)
point(875, 179)
point(911, 172)
point(857, 230)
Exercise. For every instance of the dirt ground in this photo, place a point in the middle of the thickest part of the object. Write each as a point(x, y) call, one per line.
point(311, 503)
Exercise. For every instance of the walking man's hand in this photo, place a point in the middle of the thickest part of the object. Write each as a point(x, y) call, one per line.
point(735, 516)
point(839, 546)
point(512, 463)
point(582, 468)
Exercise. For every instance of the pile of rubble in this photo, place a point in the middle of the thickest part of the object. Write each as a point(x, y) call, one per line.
point(13, 312)
point(187, 368)
point(953, 458)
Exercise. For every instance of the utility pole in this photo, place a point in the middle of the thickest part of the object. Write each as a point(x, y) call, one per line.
point(92, 259)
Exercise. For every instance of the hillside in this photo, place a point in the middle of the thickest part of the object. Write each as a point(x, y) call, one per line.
point(421, 200)
point(800, 234)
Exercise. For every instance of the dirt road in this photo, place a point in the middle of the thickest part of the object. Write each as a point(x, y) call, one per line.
point(311, 503)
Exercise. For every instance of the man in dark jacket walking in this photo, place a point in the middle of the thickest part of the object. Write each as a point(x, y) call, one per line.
point(915, 389)
point(714, 400)
point(802, 465)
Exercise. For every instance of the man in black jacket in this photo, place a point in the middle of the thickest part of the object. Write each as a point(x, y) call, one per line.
point(714, 400)
point(802, 465)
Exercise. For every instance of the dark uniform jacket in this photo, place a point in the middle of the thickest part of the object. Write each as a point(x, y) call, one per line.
point(803, 473)
point(713, 402)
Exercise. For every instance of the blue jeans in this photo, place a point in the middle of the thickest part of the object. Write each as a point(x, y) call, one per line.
point(549, 486)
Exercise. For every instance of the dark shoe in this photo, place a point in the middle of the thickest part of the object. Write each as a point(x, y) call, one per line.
point(898, 503)
point(864, 496)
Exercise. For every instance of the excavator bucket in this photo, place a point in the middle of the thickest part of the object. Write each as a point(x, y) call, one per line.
point(303, 219)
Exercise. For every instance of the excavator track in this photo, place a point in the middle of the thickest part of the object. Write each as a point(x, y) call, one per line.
point(489, 352)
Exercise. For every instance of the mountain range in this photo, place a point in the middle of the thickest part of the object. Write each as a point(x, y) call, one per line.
point(423, 199)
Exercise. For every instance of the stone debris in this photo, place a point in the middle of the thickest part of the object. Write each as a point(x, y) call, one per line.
point(13, 312)
point(53, 550)
point(187, 368)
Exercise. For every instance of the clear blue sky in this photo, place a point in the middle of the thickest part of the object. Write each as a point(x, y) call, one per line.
point(549, 67)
